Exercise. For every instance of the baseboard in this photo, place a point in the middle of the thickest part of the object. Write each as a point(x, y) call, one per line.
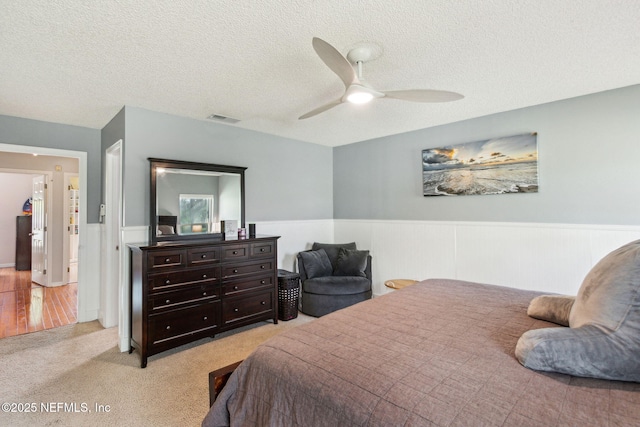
point(7, 265)
point(55, 284)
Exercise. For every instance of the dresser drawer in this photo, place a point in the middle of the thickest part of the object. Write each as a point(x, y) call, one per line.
point(238, 309)
point(167, 281)
point(247, 268)
point(196, 294)
point(239, 287)
point(262, 249)
point(235, 252)
point(177, 323)
point(166, 259)
point(204, 255)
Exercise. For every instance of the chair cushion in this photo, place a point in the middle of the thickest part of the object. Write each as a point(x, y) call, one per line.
point(316, 263)
point(351, 262)
point(336, 285)
point(603, 340)
point(332, 250)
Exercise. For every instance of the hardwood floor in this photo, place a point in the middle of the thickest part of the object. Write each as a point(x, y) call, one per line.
point(28, 307)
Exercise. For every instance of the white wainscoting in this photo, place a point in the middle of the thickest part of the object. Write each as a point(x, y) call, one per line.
point(544, 257)
point(129, 235)
point(89, 278)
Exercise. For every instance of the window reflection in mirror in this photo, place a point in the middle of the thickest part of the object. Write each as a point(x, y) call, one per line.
point(196, 213)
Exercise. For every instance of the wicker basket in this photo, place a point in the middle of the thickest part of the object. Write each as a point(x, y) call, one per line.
point(288, 294)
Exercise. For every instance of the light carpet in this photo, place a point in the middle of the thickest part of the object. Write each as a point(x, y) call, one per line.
point(76, 376)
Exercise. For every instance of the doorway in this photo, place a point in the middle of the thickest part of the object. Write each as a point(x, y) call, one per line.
point(27, 306)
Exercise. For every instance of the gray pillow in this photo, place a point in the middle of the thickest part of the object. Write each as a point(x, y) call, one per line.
point(316, 263)
point(604, 338)
point(332, 249)
point(166, 229)
point(609, 290)
point(551, 308)
point(351, 262)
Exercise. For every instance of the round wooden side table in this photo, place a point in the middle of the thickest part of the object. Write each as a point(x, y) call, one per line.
point(399, 283)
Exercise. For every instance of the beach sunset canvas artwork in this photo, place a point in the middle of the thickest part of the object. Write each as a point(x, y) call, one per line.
point(493, 166)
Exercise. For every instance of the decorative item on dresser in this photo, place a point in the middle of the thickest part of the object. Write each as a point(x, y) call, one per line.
point(185, 291)
point(193, 280)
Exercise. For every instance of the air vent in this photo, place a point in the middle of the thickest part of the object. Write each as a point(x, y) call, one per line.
point(221, 118)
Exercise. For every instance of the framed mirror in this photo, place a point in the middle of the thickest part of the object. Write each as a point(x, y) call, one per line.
point(191, 201)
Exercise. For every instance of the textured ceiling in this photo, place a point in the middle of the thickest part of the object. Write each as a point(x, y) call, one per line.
point(78, 62)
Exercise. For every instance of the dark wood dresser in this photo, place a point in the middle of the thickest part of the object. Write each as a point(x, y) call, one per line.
point(184, 291)
point(23, 242)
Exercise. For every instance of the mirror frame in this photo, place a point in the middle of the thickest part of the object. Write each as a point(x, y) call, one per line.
point(180, 164)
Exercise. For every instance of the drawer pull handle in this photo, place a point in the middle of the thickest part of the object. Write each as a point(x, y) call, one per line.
point(263, 267)
point(204, 256)
point(235, 252)
point(167, 260)
point(235, 270)
point(204, 276)
point(168, 327)
point(167, 301)
point(263, 302)
point(236, 310)
point(205, 318)
point(167, 282)
point(262, 249)
point(262, 282)
point(235, 288)
point(204, 294)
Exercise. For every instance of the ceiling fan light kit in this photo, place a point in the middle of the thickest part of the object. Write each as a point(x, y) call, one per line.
point(357, 97)
point(356, 91)
point(358, 94)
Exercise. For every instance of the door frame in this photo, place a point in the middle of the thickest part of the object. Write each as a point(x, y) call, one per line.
point(84, 276)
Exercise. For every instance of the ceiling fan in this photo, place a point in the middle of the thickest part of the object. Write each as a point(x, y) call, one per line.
point(356, 90)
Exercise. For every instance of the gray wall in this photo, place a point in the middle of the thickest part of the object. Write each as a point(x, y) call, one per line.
point(284, 180)
point(169, 186)
point(18, 131)
point(588, 151)
point(110, 134)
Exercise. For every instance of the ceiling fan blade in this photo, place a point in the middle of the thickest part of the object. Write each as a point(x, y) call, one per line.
point(334, 60)
point(424, 95)
point(320, 109)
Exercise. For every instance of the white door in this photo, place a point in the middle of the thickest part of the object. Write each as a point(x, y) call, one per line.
point(114, 293)
point(39, 231)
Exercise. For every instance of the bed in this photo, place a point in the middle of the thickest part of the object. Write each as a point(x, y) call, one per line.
point(438, 353)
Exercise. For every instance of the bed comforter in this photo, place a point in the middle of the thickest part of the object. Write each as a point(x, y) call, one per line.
point(439, 353)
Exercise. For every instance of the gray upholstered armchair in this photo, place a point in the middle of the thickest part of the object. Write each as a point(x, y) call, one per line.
point(333, 276)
